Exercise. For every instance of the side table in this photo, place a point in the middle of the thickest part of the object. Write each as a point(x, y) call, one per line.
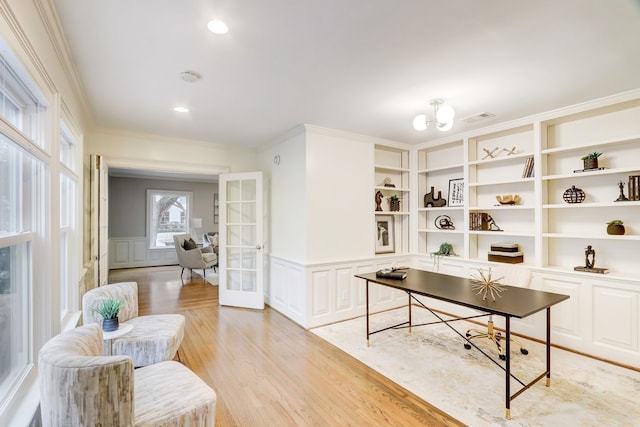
point(123, 329)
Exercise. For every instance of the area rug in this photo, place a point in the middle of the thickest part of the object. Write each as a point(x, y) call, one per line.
point(212, 278)
point(432, 363)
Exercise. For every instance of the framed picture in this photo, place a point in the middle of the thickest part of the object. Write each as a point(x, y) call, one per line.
point(456, 192)
point(385, 239)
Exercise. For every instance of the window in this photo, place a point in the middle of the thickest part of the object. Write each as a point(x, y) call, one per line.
point(24, 228)
point(20, 186)
point(168, 214)
point(19, 106)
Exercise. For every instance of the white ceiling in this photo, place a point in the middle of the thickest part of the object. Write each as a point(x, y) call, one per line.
point(363, 66)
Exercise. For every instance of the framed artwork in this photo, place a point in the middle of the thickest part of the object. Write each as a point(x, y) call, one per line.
point(216, 206)
point(456, 192)
point(385, 239)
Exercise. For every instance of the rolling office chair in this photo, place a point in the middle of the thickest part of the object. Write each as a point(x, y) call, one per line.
point(508, 275)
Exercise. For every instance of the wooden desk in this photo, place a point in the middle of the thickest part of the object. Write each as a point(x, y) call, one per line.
point(513, 302)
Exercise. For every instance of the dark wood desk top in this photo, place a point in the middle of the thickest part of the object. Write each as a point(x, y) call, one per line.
point(514, 301)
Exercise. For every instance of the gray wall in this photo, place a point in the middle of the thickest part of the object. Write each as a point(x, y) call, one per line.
point(128, 203)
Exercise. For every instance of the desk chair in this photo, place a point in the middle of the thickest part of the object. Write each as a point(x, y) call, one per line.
point(508, 275)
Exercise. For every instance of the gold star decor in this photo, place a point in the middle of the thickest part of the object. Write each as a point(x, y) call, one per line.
point(485, 284)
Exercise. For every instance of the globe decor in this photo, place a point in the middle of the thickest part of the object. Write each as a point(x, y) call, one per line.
point(573, 195)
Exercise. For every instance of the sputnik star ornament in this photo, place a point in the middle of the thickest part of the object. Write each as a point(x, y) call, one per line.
point(486, 285)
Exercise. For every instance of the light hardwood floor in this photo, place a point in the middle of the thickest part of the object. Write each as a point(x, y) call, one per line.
point(267, 370)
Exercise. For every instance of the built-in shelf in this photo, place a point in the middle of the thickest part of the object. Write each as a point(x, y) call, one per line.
point(502, 233)
point(441, 169)
point(587, 146)
point(590, 205)
point(577, 175)
point(500, 207)
point(391, 213)
point(443, 208)
point(437, 230)
point(390, 168)
point(500, 182)
point(591, 236)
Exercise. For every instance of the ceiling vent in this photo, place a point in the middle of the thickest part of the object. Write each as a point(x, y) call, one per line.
point(189, 76)
point(477, 117)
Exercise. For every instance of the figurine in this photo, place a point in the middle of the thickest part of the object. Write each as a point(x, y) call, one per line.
point(379, 197)
point(589, 253)
point(492, 226)
point(621, 197)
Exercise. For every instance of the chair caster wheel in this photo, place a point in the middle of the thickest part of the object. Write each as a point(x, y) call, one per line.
point(502, 357)
point(468, 334)
point(524, 351)
point(467, 346)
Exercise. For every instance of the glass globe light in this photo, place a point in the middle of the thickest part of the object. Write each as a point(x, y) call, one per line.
point(445, 114)
point(420, 122)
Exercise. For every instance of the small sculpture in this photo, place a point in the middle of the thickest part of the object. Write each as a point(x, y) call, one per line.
point(573, 195)
point(387, 182)
point(379, 198)
point(590, 262)
point(510, 152)
point(621, 197)
point(490, 153)
point(443, 222)
point(486, 285)
point(436, 202)
point(589, 257)
point(492, 226)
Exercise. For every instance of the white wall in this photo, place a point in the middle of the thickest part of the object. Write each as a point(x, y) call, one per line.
point(288, 194)
point(339, 197)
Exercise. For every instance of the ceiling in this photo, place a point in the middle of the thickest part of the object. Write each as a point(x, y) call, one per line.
point(363, 66)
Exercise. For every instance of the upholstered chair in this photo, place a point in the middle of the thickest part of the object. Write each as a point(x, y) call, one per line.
point(154, 338)
point(190, 256)
point(79, 386)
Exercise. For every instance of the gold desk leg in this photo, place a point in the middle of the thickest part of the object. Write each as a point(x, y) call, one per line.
point(508, 414)
point(367, 342)
point(548, 382)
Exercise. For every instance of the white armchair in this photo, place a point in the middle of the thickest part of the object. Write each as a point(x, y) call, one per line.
point(79, 386)
point(154, 338)
point(193, 257)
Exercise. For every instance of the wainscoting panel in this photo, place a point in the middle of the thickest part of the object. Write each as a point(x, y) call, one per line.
point(128, 252)
point(615, 317)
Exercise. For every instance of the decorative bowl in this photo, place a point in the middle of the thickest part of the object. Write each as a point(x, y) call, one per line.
point(509, 199)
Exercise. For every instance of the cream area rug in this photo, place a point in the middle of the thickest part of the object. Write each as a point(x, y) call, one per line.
point(212, 278)
point(432, 363)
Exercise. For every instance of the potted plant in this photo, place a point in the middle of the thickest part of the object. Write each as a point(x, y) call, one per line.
point(615, 227)
point(591, 160)
point(394, 203)
point(109, 309)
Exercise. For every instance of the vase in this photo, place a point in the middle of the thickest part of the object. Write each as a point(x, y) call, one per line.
point(615, 229)
point(110, 325)
point(394, 205)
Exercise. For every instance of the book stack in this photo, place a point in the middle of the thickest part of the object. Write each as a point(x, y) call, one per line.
point(506, 252)
point(478, 221)
point(634, 187)
point(528, 168)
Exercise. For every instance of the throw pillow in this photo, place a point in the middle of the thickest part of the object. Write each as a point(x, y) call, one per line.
point(189, 244)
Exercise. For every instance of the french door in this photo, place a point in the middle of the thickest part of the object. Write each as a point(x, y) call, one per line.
point(241, 240)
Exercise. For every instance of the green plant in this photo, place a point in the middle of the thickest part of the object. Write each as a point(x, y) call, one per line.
point(615, 222)
point(394, 198)
point(593, 155)
point(445, 249)
point(109, 308)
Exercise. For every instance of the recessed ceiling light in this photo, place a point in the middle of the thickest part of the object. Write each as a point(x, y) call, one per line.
point(181, 109)
point(217, 27)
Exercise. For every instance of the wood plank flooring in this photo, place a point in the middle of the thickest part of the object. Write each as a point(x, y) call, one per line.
point(267, 370)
